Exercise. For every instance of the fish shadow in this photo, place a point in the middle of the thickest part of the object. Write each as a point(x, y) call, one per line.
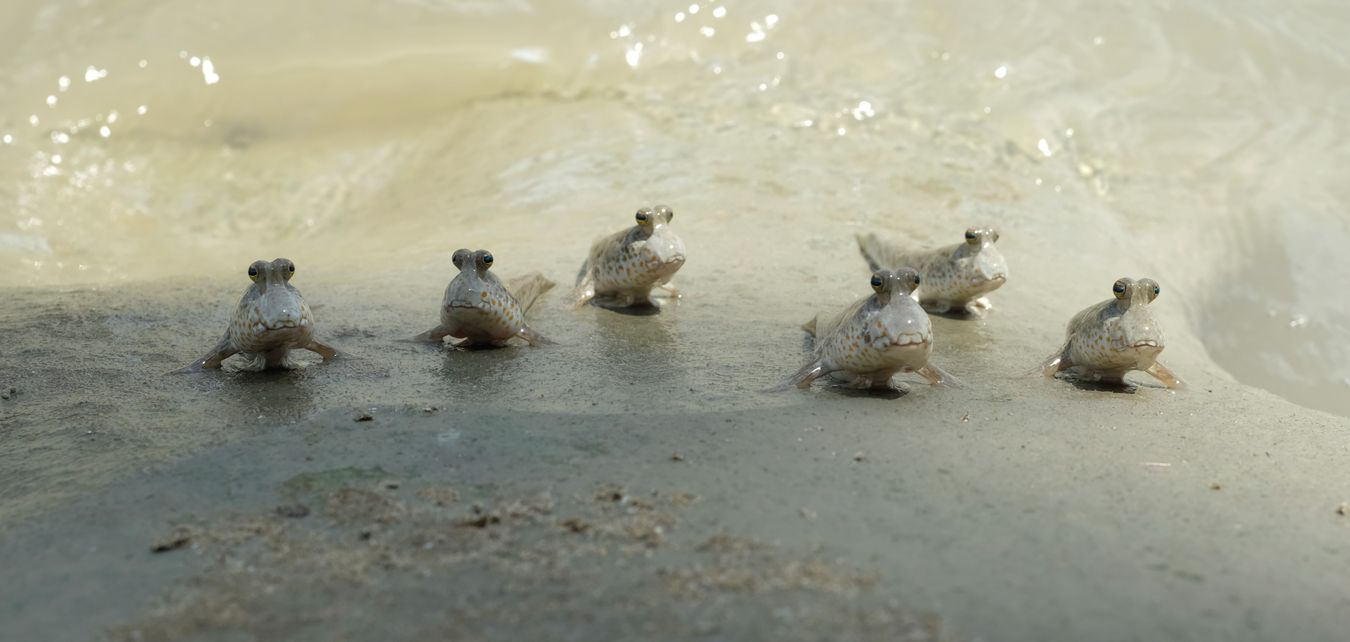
point(642, 310)
point(279, 392)
point(246, 378)
point(895, 391)
point(957, 315)
point(1122, 388)
point(452, 348)
point(470, 366)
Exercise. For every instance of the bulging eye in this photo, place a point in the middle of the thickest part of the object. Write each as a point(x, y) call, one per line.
point(1157, 290)
point(252, 272)
point(970, 235)
point(917, 279)
point(291, 267)
point(876, 280)
point(1119, 289)
point(487, 259)
point(642, 217)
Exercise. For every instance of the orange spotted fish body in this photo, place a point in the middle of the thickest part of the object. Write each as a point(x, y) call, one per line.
point(271, 320)
point(1114, 337)
point(874, 338)
point(622, 269)
point(479, 310)
point(955, 278)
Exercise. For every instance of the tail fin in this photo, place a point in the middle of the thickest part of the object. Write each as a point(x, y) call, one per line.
point(528, 289)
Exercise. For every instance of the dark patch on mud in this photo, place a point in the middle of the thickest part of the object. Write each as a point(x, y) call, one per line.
point(396, 563)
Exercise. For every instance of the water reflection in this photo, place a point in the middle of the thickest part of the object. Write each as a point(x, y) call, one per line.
point(637, 349)
point(642, 310)
point(897, 390)
point(477, 374)
point(267, 397)
point(961, 336)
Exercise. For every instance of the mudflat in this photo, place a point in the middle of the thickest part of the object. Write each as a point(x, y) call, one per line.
point(633, 481)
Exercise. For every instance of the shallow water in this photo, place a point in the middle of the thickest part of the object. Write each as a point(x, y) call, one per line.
point(1194, 144)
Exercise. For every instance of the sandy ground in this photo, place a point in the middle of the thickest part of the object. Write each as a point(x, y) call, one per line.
point(643, 488)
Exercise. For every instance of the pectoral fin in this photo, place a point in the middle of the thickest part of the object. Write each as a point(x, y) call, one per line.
point(671, 290)
point(1055, 363)
point(1163, 374)
point(223, 350)
point(807, 374)
point(322, 349)
point(534, 338)
point(434, 335)
point(938, 376)
point(584, 292)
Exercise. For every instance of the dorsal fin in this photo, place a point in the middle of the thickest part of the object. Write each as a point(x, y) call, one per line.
point(879, 254)
point(528, 289)
point(810, 326)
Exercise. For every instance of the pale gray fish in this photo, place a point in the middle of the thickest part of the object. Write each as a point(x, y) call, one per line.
point(1110, 339)
point(955, 278)
point(272, 319)
point(623, 268)
point(876, 337)
point(479, 310)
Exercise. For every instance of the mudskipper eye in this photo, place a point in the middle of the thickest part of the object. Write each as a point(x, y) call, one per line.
point(970, 235)
point(487, 259)
point(916, 279)
point(1157, 290)
point(1119, 289)
point(252, 272)
point(642, 217)
point(460, 256)
point(876, 280)
point(291, 267)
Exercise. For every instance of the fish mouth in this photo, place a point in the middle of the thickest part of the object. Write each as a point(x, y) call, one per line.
point(463, 305)
point(1147, 348)
point(910, 340)
point(668, 268)
point(284, 324)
